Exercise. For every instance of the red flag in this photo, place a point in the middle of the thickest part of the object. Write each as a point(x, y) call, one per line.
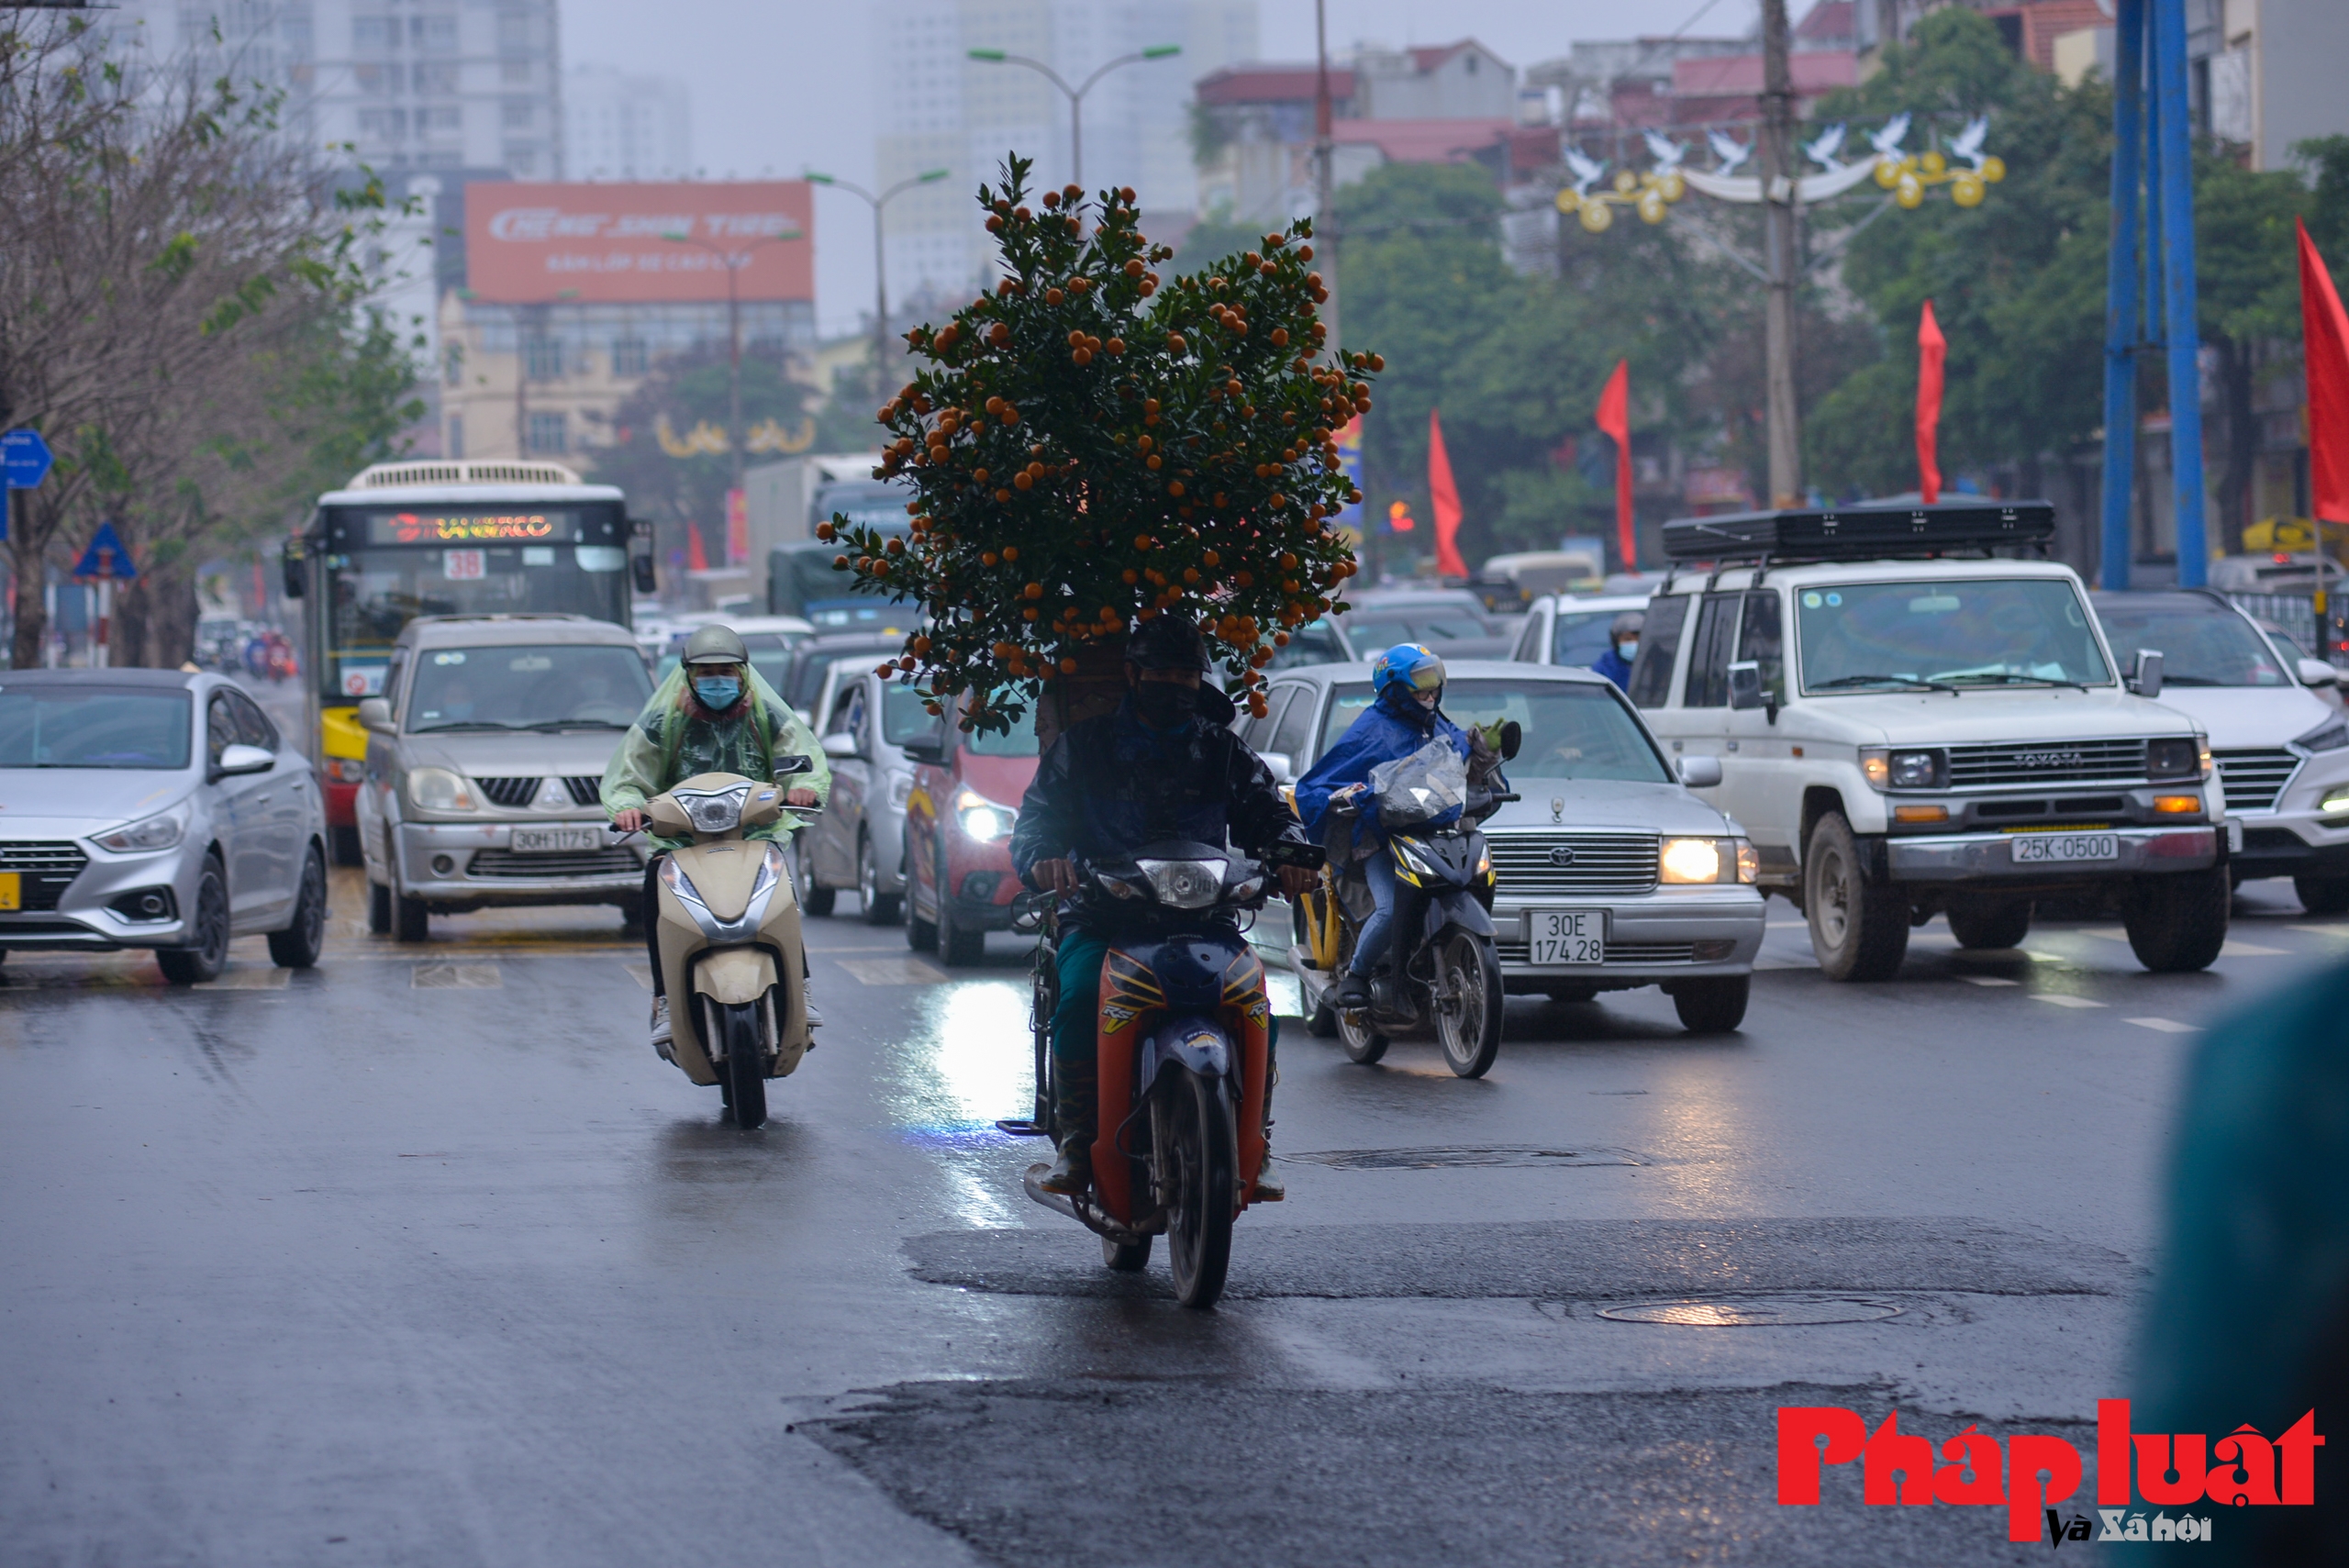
point(1446, 498)
point(1614, 418)
point(2325, 329)
point(697, 557)
point(1932, 348)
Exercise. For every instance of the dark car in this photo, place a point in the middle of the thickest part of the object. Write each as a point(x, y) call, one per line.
point(1452, 622)
point(965, 801)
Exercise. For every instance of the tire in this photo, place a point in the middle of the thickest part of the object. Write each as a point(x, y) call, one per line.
point(343, 844)
point(1126, 1257)
point(957, 944)
point(378, 910)
point(1712, 1005)
point(2177, 924)
point(746, 1068)
point(2001, 924)
point(2322, 895)
point(1364, 1045)
point(1859, 930)
point(208, 955)
point(813, 900)
point(880, 908)
point(1200, 1162)
point(411, 920)
point(921, 935)
point(299, 944)
point(1469, 1022)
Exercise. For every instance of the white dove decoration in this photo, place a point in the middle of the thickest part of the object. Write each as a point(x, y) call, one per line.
point(1887, 141)
point(1822, 151)
point(1729, 152)
point(1968, 142)
point(1584, 170)
point(1668, 153)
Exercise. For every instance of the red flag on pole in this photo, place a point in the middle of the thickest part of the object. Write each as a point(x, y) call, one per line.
point(697, 553)
point(1614, 418)
point(2325, 327)
point(1445, 496)
point(1931, 349)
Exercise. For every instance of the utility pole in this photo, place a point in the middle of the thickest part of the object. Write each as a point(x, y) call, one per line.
point(1075, 95)
point(880, 274)
point(1325, 206)
point(1779, 174)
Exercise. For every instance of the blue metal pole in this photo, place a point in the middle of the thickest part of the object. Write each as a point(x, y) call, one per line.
point(2121, 297)
point(2177, 267)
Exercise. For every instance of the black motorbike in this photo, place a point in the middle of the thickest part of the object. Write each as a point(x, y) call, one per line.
point(1439, 972)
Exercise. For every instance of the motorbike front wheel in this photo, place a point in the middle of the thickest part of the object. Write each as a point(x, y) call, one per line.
point(1200, 1165)
point(1468, 1004)
point(1363, 1044)
point(745, 1066)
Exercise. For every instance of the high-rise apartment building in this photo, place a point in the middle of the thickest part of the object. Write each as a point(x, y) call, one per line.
point(619, 125)
point(407, 83)
point(942, 109)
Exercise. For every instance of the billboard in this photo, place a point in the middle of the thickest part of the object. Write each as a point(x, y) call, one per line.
point(535, 243)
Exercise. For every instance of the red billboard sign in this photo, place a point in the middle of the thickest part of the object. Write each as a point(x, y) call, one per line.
point(533, 244)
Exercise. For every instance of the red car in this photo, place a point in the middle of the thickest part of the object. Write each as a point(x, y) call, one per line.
point(959, 880)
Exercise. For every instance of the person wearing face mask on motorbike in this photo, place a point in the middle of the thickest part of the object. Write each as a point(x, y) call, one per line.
point(1165, 765)
point(1622, 648)
point(713, 714)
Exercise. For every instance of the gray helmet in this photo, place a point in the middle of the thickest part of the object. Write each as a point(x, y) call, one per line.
point(1628, 624)
point(715, 645)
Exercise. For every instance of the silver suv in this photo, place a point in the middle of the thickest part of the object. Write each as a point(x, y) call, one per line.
point(486, 759)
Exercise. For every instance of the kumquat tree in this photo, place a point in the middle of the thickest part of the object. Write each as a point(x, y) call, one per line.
point(1090, 448)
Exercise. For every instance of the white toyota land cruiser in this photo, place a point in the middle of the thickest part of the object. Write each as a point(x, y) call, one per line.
point(1915, 717)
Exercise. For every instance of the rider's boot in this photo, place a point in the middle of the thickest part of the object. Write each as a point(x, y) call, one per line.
point(1352, 993)
point(1268, 1186)
point(662, 1042)
point(1076, 1108)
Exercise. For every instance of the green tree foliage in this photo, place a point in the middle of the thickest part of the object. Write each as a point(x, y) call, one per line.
point(688, 392)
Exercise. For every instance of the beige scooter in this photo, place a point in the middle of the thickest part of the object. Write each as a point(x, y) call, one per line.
point(732, 965)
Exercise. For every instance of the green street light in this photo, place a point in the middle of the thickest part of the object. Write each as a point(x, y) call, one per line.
point(1161, 50)
point(1075, 95)
point(880, 260)
point(997, 55)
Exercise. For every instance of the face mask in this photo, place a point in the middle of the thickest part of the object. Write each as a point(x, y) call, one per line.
point(1166, 705)
point(718, 693)
point(1629, 653)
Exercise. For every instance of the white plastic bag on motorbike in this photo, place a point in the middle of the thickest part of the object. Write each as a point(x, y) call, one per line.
point(1427, 788)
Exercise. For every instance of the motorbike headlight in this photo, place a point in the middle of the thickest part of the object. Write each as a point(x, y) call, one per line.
point(2329, 738)
point(981, 819)
point(1691, 861)
point(717, 811)
point(1484, 863)
point(1185, 884)
point(2175, 757)
point(160, 831)
point(439, 789)
point(1411, 865)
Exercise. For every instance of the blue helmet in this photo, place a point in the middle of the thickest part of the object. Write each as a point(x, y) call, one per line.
point(1406, 664)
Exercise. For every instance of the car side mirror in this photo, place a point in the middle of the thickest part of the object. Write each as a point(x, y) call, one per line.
point(640, 562)
point(2145, 673)
point(290, 563)
point(1512, 739)
point(786, 766)
point(375, 714)
point(1745, 685)
point(1282, 768)
point(1701, 772)
point(840, 744)
point(929, 751)
point(2317, 672)
point(234, 759)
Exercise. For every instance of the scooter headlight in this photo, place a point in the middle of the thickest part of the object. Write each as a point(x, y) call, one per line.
point(717, 811)
point(1185, 884)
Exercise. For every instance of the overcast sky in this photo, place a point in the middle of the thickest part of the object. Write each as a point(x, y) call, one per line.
point(783, 85)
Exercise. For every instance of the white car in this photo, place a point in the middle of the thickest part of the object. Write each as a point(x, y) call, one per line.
point(2282, 750)
point(1571, 630)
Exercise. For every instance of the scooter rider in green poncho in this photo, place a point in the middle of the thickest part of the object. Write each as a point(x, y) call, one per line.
point(713, 714)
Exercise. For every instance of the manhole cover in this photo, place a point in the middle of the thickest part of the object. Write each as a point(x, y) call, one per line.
point(1456, 1156)
point(1751, 1311)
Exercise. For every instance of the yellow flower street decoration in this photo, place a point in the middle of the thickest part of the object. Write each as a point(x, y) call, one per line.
point(1091, 445)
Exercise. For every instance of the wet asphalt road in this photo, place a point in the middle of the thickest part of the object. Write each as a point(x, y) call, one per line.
point(423, 1258)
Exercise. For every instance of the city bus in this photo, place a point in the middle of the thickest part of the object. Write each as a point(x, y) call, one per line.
point(404, 540)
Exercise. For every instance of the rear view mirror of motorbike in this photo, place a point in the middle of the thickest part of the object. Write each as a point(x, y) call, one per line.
point(1306, 857)
point(786, 766)
point(1512, 739)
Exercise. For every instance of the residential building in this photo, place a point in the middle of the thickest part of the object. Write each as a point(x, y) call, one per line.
point(1610, 81)
point(618, 125)
point(944, 110)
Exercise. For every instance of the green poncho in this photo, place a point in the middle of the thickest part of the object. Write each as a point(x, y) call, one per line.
point(669, 742)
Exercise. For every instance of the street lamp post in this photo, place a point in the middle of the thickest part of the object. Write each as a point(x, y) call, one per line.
point(733, 260)
point(879, 274)
point(1075, 95)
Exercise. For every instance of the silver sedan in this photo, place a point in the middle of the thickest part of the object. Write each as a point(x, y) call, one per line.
point(154, 809)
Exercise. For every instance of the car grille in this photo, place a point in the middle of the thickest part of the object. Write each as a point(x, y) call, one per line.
point(2045, 762)
point(46, 870)
point(2255, 778)
point(1592, 862)
point(586, 789)
point(509, 792)
point(1616, 953)
point(617, 861)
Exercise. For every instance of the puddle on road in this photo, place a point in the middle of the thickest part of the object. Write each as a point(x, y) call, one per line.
point(1465, 1156)
point(1751, 1311)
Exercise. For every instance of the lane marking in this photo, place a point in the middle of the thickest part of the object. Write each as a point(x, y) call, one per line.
point(443, 976)
point(2164, 1026)
point(2322, 931)
point(2234, 948)
point(1988, 980)
point(894, 971)
point(249, 980)
point(640, 973)
point(2053, 999)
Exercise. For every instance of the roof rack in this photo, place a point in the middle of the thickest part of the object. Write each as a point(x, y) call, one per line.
point(1870, 531)
point(378, 476)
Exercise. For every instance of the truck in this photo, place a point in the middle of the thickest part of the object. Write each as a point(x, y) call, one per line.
point(785, 500)
point(1915, 712)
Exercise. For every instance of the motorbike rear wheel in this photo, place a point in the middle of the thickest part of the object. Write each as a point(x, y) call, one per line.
point(1199, 1165)
point(1468, 1004)
point(745, 1066)
point(1363, 1044)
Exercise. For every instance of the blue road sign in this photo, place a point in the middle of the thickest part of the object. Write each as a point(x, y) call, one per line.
point(25, 458)
point(106, 557)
